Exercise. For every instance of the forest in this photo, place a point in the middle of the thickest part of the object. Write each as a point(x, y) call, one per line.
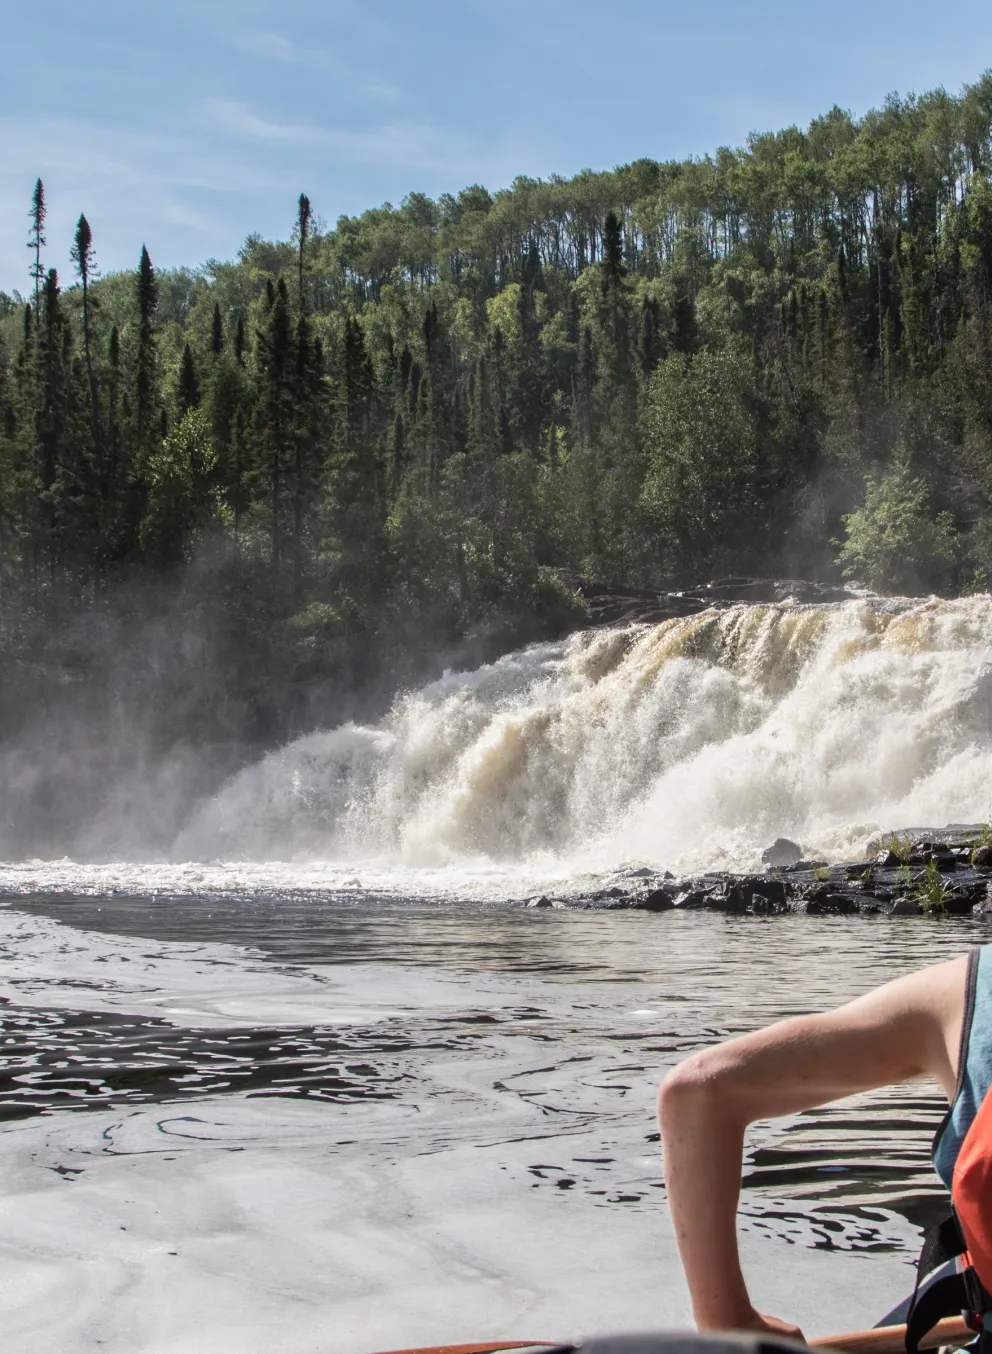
point(251, 498)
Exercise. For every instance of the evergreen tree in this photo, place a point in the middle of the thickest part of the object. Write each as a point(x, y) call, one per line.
point(147, 415)
point(37, 242)
point(303, 219)
point(275, 413)
point(188, 388)
point(84, 258)
point(217, 332)
point(613, 270)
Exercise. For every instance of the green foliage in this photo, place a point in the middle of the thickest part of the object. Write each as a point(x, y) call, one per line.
point(894, 544)
point(930, 890)
point(899, 843)
point(703, 441)
point(182, 501)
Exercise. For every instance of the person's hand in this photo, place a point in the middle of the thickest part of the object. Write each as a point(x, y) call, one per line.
point(770, 1325)
point(764, 1325)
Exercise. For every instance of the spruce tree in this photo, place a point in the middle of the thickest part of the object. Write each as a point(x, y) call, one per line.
point(651, 340)
point(146, 413)
point(217, 332)
point(612, 265)
point(188, 386)
point(274, 413)
point(303, 219)
point(37, 242)
point(111, 486)
point(52, 420)
point(84, 258)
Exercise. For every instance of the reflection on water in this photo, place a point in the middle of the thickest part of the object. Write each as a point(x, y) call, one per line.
point(563, 1024)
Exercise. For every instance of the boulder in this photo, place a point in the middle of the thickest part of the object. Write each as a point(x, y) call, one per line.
point(886, 860)
point(651, 900)
point(756, 894)
point(958, 903)
point(906, 907)
point(982, 858)
point(943, 860)
point(822, 903)
point(543, 901)
point(782, 852)
point(689, 899)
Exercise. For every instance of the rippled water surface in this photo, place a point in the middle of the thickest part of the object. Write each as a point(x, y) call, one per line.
point(543, 1026)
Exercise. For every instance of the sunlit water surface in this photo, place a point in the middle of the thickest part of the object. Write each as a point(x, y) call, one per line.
point(550, 1026)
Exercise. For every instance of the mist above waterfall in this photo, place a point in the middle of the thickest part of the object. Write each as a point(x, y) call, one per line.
point(685, 745)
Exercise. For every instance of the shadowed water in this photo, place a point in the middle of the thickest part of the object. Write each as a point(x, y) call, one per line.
point(553, 1028)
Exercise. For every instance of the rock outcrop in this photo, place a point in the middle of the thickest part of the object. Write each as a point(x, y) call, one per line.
point(934, 872)
point(611, 604)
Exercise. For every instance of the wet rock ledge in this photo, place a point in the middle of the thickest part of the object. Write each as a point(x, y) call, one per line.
point(610, 604)
point(934, 872)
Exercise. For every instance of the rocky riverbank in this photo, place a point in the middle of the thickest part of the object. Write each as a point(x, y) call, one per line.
point(912, 873)
point(609, 604)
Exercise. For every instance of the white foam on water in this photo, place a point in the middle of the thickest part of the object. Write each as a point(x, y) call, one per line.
point(687, 744)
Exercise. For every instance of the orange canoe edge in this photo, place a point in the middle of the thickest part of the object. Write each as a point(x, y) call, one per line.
point(489, 1348)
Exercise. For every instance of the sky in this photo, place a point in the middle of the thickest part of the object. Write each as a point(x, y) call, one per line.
point(186, 126)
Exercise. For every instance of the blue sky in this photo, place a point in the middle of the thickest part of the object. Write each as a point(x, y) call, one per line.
point(187, 125)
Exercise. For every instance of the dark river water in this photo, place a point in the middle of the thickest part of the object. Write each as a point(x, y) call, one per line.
point(575, 1015)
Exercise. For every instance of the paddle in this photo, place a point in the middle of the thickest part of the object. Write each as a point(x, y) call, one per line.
point(881, 1340)
point(892, 1339)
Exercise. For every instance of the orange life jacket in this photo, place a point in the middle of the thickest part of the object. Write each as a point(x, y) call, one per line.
point(965, 1236)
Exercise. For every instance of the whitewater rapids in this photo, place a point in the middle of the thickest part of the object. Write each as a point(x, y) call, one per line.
point(688, 744)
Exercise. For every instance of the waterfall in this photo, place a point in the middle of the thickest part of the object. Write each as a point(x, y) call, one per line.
point(688, 744)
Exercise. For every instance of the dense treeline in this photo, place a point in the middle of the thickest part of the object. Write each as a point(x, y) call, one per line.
point(365, 441)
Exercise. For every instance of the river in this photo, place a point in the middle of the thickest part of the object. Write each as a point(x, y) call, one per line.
point(284, 1122)
point(319, 1081)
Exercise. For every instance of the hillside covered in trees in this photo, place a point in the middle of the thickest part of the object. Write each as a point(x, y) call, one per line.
point(238, 500)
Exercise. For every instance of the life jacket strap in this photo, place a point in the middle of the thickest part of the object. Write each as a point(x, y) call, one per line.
point(944, 1297)
point(942, 1242)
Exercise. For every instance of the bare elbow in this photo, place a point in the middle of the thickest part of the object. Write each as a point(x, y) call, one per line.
point(692, 1080)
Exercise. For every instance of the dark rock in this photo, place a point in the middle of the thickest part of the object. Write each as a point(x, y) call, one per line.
point(958, 903)
point(543, 901)
point(782, 852)
point(652, 900)
point(762, 906)
point(983, 908)
point(906, 907)
point(939, 857)
point(756, 894)
point(823, 903)
point(645, 872)
point(886, 860)
point(689, 899)
point(982, 858)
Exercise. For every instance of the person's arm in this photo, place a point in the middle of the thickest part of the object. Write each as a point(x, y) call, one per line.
point(908, 1028)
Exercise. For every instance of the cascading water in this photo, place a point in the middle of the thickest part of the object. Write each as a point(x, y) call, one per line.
point(687, 744)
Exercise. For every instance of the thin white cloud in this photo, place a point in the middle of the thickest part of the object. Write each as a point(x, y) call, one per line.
point(351, 77)
point(271, 46)
point(233, 116)
point(418, 146)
